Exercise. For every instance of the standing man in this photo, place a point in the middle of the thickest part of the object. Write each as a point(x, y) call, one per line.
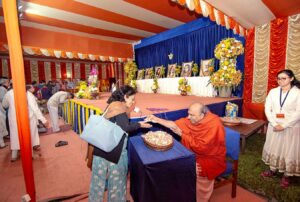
point(203, 133)
point(4, 84)
point(35, 115)
point(55, 100)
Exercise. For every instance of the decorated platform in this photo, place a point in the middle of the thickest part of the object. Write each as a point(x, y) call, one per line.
point(76, 112)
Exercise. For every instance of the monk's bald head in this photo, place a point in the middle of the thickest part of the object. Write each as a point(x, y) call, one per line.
point(196, 112)
point(196, 107)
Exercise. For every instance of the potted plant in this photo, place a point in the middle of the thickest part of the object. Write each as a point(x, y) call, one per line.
point(227, 77)
point(155, 86)
point(184, 87)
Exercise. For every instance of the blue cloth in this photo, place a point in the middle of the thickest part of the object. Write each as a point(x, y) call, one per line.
point(168, 176)
point(194, 41)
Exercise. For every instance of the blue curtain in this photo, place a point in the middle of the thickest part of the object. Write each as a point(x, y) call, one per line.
point(190, 45)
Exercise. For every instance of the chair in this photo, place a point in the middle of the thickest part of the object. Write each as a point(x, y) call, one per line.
point(232, 158)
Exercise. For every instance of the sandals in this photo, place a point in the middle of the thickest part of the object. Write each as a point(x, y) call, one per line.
point(267, 173)
point(284, 183)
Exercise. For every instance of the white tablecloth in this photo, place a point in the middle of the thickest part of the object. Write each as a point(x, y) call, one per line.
point(199, 85)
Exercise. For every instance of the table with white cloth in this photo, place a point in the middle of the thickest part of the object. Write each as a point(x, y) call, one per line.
point(200, 86)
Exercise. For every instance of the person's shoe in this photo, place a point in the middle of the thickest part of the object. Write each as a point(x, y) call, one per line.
point(267, 173)
point(3, 145)
point(284, 182)
point(14, 155)
point(37, 148)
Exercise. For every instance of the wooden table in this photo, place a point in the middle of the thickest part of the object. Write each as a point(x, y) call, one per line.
point(247, 130)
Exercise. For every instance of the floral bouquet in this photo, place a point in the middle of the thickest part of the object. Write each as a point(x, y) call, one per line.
point(155, 86)
point(81, 92)
point(130, 69)
point(226, 77)
point(183, 86)
point(229, 48)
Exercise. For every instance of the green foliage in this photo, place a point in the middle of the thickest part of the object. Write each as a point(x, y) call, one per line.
point(250, 167)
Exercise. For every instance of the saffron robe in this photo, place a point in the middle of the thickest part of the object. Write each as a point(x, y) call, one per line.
point(207, 140)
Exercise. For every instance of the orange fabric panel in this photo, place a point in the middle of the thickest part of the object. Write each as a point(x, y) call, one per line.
point(18, 78)
point(278, 42)
point(78, 27)
point(283, 8)
point(249, 65)
point(167, 8)
point(211, 12)
point(98, 13)
point(254, 111)
point(197, 6)
point(67, 42)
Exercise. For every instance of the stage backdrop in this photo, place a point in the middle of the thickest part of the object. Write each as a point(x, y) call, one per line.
point(37, 69)
point(270, 48)
point(194, 41)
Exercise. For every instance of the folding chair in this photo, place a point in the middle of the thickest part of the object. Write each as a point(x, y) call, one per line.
point(232, 158)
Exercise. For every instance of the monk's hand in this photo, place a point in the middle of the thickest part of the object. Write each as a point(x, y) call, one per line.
point(144, 124)
point(278, 128)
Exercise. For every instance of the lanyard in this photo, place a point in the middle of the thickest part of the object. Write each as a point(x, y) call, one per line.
point(282, 103)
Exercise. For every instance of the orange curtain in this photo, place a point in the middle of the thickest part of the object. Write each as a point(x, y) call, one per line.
point(278, 41)
point(249, 64)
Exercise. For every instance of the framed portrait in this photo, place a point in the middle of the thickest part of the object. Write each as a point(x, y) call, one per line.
point(207, 67)
point(141, 74)
point(148, 73)
point(172, 70)
point(158, 71)
point(186, 70)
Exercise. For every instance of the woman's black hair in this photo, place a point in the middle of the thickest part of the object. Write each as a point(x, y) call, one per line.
point(118, 95)
point(290, 74)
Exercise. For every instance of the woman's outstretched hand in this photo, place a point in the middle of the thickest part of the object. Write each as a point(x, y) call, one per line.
point(145, 124)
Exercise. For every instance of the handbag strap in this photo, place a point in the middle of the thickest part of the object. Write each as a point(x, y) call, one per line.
point(105, 111)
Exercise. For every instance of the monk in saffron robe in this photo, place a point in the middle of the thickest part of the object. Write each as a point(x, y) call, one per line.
point(203, 133)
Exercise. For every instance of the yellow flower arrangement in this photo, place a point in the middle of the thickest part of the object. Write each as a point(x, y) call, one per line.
point(178, 70)
point(184, 86)
point(130, 69)
point(229, 48)
point(227, 76)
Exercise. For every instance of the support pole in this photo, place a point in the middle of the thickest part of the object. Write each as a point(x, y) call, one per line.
point(18, 78)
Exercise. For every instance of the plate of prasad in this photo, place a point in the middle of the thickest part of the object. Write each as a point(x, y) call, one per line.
point(231, 121)
point(158, 140)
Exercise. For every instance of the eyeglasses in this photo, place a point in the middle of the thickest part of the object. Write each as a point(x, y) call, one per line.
point(282, 78)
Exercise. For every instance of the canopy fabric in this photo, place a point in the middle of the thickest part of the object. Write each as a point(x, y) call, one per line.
point(101, 26)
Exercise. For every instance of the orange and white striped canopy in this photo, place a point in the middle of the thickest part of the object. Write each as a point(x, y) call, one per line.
point(106, 29)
